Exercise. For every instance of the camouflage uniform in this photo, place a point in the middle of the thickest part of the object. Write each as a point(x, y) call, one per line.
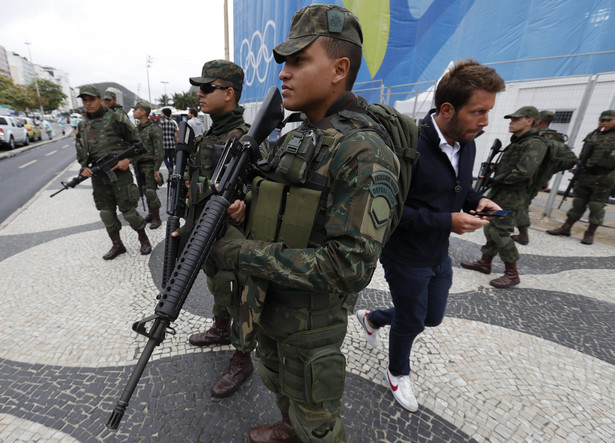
point(523, 216)
point(109, 132)
point(596, 179)
point(312, 283)
point(150, 161)
point(223, 285)
point(512, 188)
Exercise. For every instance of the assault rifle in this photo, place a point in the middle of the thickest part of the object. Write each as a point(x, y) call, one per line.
point(487, 169)
point(589, 148)
point(176, 198)
point(233, 171)
point(104, 164)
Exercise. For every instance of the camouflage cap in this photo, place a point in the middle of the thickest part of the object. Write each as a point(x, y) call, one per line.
point(219, 70)
point(144, 106)
point(547, 115)
point(607, 115)
point(525, 111)
point(109, 95)
point(314, 21)
point(89, 90)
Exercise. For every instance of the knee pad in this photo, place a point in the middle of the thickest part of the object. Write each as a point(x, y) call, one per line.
point(110, 220)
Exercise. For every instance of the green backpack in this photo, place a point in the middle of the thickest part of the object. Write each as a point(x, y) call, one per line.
point(559, 157)
point(403, 135)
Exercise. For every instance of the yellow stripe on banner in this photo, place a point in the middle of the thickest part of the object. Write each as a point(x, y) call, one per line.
point(375, 19)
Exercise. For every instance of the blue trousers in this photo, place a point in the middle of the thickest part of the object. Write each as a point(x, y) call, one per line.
point(419, 297)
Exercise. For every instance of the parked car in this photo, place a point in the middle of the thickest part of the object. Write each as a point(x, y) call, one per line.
point(12, 133)
point(34, 131)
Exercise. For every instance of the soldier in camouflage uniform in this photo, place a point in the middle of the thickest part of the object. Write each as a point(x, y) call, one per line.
point(102, 132)
point(595, 180)
point(148, 163)
point(316, 225)
point(220, 86)
point(110, 99)
point(523, 217)
point(513, 182)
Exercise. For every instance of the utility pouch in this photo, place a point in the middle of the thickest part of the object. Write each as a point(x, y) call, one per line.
point(299, 216)
point(267, 197)
point(297, 156)
point(225, 288)
point(312, 368)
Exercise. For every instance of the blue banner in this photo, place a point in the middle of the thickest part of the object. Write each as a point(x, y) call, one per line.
point(409, 41)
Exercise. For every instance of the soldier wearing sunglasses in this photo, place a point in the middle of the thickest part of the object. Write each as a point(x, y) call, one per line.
point(220, 87)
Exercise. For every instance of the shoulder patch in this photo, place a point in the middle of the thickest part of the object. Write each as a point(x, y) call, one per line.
point(385, 177)
point(383, 190)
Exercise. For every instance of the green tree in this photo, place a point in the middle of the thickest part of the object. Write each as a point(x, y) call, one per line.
point(164, 100)
point(17, 97)
point(186, 100)
point(51, 94)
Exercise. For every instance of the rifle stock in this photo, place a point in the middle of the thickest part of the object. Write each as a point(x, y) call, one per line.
point(104, 165)
point(227, 182)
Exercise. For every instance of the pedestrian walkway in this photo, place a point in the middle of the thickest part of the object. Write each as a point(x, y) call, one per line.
point(532, 363)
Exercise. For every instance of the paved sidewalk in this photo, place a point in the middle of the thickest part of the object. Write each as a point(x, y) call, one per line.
point(533, 363)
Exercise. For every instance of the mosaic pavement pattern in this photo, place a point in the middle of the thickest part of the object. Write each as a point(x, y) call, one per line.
point(532, 363)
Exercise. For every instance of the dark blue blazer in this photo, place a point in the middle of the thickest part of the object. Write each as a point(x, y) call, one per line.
point(422, 237)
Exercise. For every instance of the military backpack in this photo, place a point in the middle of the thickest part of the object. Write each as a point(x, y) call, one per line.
point(559, 157)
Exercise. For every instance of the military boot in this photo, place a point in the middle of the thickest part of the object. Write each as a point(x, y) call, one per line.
point(218, 334)
point(155, 223)
point(279, 432)
point(510, 277)
point(483, 265)
point(563, 229)
point(146, 247)
point(148, 217)
point(522, 238)
point(588, 237)
point(117, 247)
point(239, 369)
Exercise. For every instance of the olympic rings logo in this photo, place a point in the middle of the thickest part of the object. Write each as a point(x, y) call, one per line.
point(252, 63)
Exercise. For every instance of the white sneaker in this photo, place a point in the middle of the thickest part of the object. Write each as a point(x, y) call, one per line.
point(371, 334)
point(401, 387)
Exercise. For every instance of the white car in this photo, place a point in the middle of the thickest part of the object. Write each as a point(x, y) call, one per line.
point(13, 132)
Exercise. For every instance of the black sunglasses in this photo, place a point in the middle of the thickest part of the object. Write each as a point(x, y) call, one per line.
point(208, 88)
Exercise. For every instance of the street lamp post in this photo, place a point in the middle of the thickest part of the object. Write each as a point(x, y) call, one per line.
point(148, 63)
point(38, 94)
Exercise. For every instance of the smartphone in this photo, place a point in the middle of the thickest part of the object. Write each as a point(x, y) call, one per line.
point(502, 213)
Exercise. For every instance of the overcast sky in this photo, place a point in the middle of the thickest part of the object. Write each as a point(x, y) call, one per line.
point(109, 41)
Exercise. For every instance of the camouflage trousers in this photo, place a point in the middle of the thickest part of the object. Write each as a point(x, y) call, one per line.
point(299, 340)
point(498, 231)
point(121, 194)
point(150, 187)
point(225, 287)
point(589, 195)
